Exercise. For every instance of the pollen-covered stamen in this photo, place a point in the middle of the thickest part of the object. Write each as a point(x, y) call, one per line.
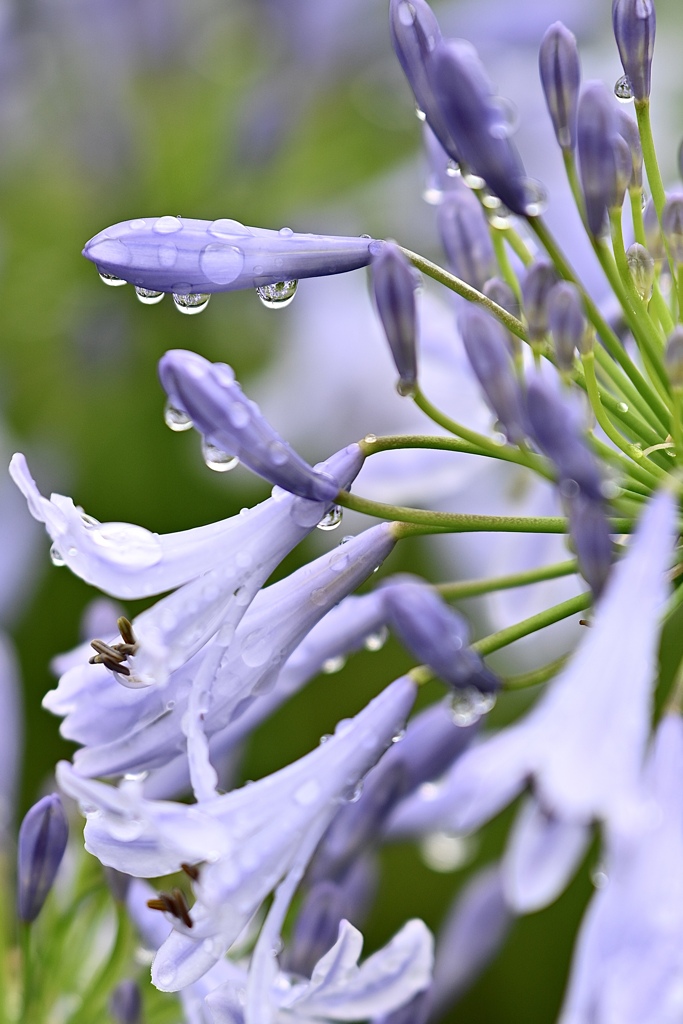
point(105, 652)
point(173, 903)
point(126, 631)
point(112, 656)
point(191, 870)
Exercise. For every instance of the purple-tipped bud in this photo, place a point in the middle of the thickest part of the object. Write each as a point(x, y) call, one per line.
point(186, 256)
point(628, 129)
point(415, 34)
point(597, 128)
point(42, 842)
point(465, 237)
point(634, 23)
point(589, 530)
point(567, 322)
point(394, 281)
point(673, 357)
point(125, 1005)
point(210, 396)
point(479, 123)
point(489, 355)
point(555, 431)
point(538, 282)
point(560, 68)
point(672, 226)
point(437, 635)
point(642, 268)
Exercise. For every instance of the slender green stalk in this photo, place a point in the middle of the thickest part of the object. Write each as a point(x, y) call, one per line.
point(620, 410)
point(654, 176)
point(636, 198)
point(517, 244)
point(473, 588)
point(108, 974)
point(538, 676)
point(556, 613)
point(504, 263)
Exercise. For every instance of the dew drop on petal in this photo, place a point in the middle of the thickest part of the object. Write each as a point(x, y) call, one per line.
point(278, 295)
point(332, 519)
point(191, 303)
point(623, 90)
point(536, 198)
point(111, 279)
point(224, 227)
point(149, 297)
point(406, 13)
point(473, 181)
point(332, 665)
point(56, 556)
point(308, 793)
point(420, 114)
point(176, 419)
point(217, 459)
point(166, 975)
point(167, 225)
point(376, 641)
point(286, 232)
point(221, 263)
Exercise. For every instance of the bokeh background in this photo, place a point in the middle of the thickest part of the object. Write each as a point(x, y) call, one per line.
point(273, 112)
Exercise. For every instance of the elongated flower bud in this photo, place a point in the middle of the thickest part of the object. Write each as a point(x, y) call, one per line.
point(628, 129)
point(466, 237)
point(125, 1004)
point(394, 281)
point(634, 23)
point(489, 355)
point(567, 322)
point(187, 256)
point(538, 282)
point(672, 226)
point(596, 132)
point(590, 535)
point(211, 397)
point(558, 62)
point(42, 842)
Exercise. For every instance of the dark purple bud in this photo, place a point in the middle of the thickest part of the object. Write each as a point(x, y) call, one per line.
point(437, 635)
point(589, 531)
point(538, 282)
point(394, 281)
point(125, 1005)
point(567, 322)
point(597, 128)
point(415, 34)
point(642, 268)
point(634, 23)
point(555, 430)
point(479, 123)
point(232, 424)
point(628, 129)
point(560, 68)
point(672, 226)
point(487, 349)
point(42, 842)
point(673, 357)
point(465, 237)
point(198, 257)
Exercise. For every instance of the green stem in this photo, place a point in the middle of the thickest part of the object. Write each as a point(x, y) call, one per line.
point(504, 263)
point(106, 977)
point(556, 613)
point(654, 176)
point(537, 676)
point(473, 588)
point(636, 197)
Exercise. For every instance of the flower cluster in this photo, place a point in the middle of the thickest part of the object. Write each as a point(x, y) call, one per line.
point(270, 881)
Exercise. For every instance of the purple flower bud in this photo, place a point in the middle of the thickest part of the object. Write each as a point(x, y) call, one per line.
point(437, 635)
point(465, 236)
point(673, 357)
point(187, 256)
point(634, 23)
point(42, 842)
point(567, 322)
point(590, 535)
point(415, 33)
point(501, 293)
point(125, 1004)
point(477, 121)
point(628, 129)
point(558, 62)
point(597, 128)
point(209, 394)
point(555, 430)
point(488, 352)
point(672, 226)
point(394, 281)
point(538, 282)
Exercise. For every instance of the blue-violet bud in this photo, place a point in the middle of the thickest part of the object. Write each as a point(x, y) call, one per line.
point(597, 128)
point(125, 1005)
point(628, 129)
point(634, 23)
point(465, 237)
point(673, 357)
point(42, 842)
point(394, 281)
point(538, 282)
point(672, 226)
point(589, 531)
point(642, 268)
point(567, 322)
point(559, 65)
point(487, 349)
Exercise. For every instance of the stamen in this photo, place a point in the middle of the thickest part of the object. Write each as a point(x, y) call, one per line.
point(113, 655)
point(126, 631)
point(173, 903)
point(191, 870)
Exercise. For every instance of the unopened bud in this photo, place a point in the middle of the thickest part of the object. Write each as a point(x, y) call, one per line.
point(125, 1005)
point(642, 268)
point(42, 842)
point(567, 322)
point(394, 281)
point(466, 237)
point(536, 287)
point(558, 62)
point(634, 23)
point(628, 129)
point(672, 226)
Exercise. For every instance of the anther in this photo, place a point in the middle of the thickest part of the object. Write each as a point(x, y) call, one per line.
point(126, 631)
point(173, 903)
point(191, 870)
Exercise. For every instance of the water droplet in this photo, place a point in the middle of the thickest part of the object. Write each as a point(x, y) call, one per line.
point(354, 793)
point(217, 459)
point(376, 641)
point(176, 419)
point(111, 279)
point(468, 705)
point(420, 114)
point(170, 704)
point(406, 13)
point(166, 975)
point(507, 119)
point(623, 90)
point(319, 597)
point(347, 538)
point(332, 519)
point(308, 793)
point(444, 852)
point(135, 776)
point(88, 521)
point(490, 201)
point(286, 232)
point(622, 407)
point(473, 181)
point(397, 737)
point(125, 830)
point(225, 227)
point(278, 454)
point(537, 198)
point(149, 297)
point(167, 225)
point(278, 295)
point(325, 739)
point(599, 876)
point(370, 438)
point(453, 170)
point(221, 263)
point(332, 665)
point(406, 388)
point(56, 556)
point(193, 302)
point(432, 195)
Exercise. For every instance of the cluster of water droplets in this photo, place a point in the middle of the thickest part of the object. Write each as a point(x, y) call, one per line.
point(191, 303)
point(469, 705)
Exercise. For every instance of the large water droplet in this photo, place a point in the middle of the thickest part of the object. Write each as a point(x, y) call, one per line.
point(332, 665)
point(507, 118)
point(225, 227)
point(376, 641)
point(176, 419)
point(623, 90)
point(537, 198)
point(221, 263)
point(420, 114)
point(167, 225)
point(354, 793)
point(332, 519)
point(111, 279)
point(56, 556)
point(277, 296)
point(149, 297)
point(256, 648)
point(194, 302)
point(444, 852)
point(216, 459)
point(406, 388)
point(286, 232)
point(468, 705)
point(473, 181)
